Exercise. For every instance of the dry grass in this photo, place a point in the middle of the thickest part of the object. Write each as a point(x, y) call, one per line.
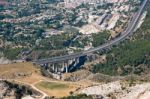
point(33, 77)
point(57, 89)
point(16, 70)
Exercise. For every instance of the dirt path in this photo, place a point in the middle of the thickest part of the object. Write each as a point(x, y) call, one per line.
point(31, 85)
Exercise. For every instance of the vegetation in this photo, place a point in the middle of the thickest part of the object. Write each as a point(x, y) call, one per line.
point(29, 26)
point(12, 53)
point(80, 96)
point(100, 38)
point(130, 54)
point(52, 85)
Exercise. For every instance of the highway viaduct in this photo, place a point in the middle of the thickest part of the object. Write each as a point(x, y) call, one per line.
point(68, 59)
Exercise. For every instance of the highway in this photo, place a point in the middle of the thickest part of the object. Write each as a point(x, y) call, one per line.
point(128, 31)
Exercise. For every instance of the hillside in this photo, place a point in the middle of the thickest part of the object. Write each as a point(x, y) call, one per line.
point(131, 56)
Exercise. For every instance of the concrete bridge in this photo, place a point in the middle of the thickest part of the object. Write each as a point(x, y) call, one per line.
point(62, 63)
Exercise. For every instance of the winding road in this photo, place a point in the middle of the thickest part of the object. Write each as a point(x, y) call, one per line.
point(128, 31)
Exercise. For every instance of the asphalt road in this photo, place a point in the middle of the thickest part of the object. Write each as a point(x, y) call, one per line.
point(128, 31)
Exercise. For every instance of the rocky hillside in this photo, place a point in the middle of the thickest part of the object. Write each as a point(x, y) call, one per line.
point(9, 90)
point(120, 90)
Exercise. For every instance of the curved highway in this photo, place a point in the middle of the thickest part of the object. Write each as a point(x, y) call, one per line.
point(128, 31)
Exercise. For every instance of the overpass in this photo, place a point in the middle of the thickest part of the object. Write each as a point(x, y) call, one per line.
point(127, 32)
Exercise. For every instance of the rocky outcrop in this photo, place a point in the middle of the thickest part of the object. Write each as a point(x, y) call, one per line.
point(77, 76)
point(119, 90)
point(9, 90)
point(4, 61)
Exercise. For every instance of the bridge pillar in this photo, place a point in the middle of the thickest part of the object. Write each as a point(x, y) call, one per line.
point(77, 60)
point(66, 67)
point(55, 68)
point(88, 58)
point(63, 66)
